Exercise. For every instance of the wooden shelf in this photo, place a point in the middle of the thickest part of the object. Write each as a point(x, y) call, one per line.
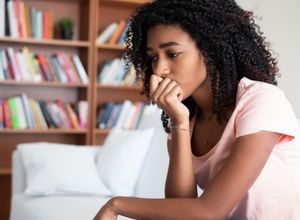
point(134, 3)
point(102, 131)
point(5, 171)
point(44, 131)
point(42, 84)
point(119, 87)
point(110, 47)
point(52, 42)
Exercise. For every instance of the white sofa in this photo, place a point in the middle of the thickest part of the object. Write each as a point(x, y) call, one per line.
point(150, 184)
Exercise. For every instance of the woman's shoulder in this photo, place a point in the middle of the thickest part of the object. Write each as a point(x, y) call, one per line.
point(248, 88)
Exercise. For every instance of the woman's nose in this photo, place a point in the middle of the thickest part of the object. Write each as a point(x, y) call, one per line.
point(161, 69)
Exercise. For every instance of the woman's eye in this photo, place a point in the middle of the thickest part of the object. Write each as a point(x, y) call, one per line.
point(173, 55)
point(153, 58)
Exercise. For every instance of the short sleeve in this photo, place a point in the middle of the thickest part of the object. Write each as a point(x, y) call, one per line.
point(263, 107)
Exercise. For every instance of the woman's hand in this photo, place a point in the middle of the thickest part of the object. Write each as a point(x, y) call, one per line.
point(167, 94)
point(106, 212)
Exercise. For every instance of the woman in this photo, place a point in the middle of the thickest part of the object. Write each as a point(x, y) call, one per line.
point(207, 66)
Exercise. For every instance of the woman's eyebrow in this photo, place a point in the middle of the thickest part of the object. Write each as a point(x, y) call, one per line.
point(164, 45)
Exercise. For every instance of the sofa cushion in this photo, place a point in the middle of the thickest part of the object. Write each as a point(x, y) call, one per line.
point(120, 160)
point(154, 171)
point(59, 169)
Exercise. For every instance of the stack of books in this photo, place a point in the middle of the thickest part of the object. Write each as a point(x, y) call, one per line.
point(114, 33)
point(126, 115)
point(115, 72)
point(21, 112)
point(19, 21)
point(25, 66)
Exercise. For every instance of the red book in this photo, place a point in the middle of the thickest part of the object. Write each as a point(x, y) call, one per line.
point(50, 69)
point(18, 17)
point(71, 67)
point(6, 111)
point(65, 67)
point(46, 74)
point(65, 115)
point(45, 25)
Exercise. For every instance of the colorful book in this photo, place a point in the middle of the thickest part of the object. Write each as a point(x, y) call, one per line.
point(114, 38)
point(107, 33)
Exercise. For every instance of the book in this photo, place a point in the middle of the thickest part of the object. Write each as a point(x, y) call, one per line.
point(7, 114)
point(3, 60)
point(21, 117)
point(36, 120)
point(123, 114)
point(72, 116)
point(114, 115)
point(121, 39)
point(118, 32)
point(41, 118)
point(80, 69)
point(107, 33)
point(2, 18)
point(27, 111)
point(13, 62)
point(46, 114)
point(83, 113)
point(35, 75)
point(12, 19)
point(106, 115)
point(13, 113)
point(2, 75)
point(62, 109)
point(1, 114)
point(27, 21)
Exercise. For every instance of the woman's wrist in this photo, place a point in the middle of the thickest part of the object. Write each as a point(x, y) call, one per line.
point(185, 125)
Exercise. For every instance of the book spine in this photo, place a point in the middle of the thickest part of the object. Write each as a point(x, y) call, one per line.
point(27, 111)
point(13, 113)
point(1, 113)
point(83, 113)
point(80, 69)
point(72, 116)
point(7, 114)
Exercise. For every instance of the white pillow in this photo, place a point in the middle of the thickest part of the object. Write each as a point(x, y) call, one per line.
point(121, 159)
point(60, 169)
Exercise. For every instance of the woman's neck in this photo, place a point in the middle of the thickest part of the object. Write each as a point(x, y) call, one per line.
point(204, 99)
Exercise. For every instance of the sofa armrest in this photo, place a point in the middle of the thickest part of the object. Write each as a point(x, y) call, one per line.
point(18, 173)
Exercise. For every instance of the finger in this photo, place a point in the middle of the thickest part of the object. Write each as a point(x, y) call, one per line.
point(168, 88)
point(176, 91)
point(154, 82)
point(158, 92)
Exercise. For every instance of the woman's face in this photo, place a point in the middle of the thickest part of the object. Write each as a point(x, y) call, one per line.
point(174, 54)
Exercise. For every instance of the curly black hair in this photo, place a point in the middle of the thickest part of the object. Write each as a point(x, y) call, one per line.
point(230, 41)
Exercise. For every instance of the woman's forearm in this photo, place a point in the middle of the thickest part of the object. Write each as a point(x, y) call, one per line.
point(180, 181)
point(161, 209)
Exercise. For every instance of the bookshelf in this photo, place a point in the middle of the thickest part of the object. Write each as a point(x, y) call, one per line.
point(83, 44)
point(108, 11)
point(82, 13)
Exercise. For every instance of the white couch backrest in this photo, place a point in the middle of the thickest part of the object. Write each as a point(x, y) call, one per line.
point(154, 170)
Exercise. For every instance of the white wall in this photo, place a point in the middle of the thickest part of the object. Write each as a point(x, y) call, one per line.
point(280, 22)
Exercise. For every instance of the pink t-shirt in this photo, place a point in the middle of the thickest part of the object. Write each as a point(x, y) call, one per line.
point(275, 195)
